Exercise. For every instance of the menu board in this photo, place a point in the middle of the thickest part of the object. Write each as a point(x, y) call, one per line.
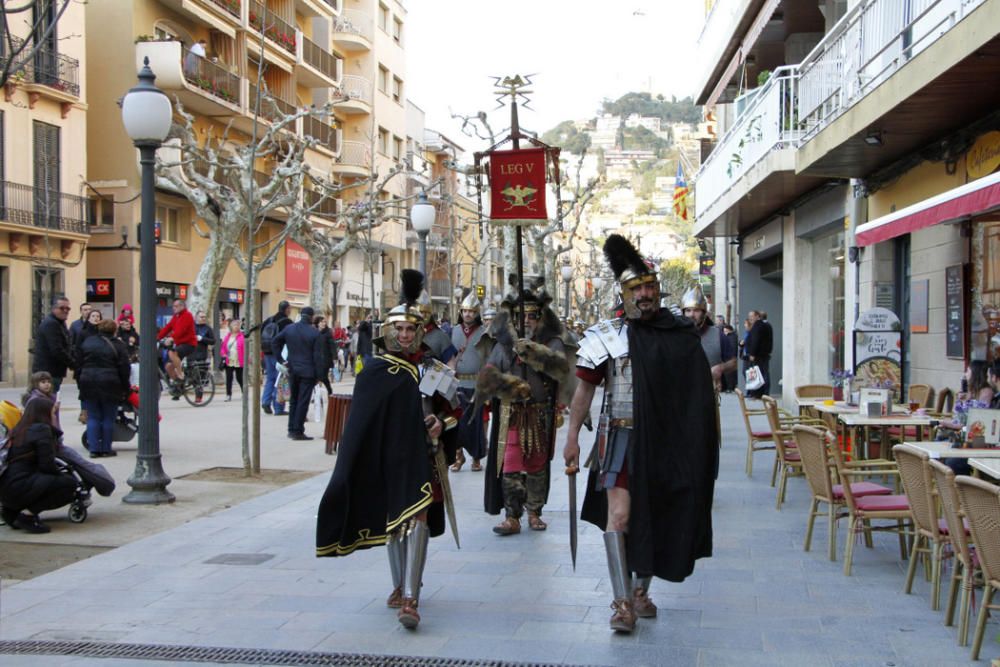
point(954, 312)
point(878, 349)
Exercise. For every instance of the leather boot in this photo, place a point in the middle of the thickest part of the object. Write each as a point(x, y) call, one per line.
point(509, 526)
point(416, 558)
point(623, 620)
point(642, 605)
point(395, 547)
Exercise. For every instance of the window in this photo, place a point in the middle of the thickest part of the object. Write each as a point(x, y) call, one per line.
point(102, 211)
point(397, 90)
point(383, 79)
point(46, 173)
point(383, 141)
point(397, 31)
point(397, 148)
point(168, 218)
point(383, 17)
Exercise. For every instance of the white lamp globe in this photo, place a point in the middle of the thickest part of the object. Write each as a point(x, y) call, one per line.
point(567, 272)
point(146, 110)
point(422, 214)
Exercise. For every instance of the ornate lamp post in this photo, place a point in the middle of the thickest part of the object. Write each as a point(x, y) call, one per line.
point(567, 275)
point(422, 216)
point(147, 115)
point(335, 277)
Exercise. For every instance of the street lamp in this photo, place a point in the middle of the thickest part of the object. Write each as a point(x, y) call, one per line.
point(567, 275)
point(147, 115)
point(422, 216)
point(597, 282)
point(335, 276)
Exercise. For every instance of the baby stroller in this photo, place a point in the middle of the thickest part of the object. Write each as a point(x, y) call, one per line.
point(126, 420)
point(89, 476)
point(81, 497)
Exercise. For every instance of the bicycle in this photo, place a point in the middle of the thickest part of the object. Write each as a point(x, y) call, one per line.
point(197, 387)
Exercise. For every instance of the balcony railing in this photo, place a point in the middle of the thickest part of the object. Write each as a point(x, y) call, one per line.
point(356, 154)
point(44, 66)
point(274, 28)
point(867, 46)
point(210, 77)
point(44, 209)
point(321, 131)
point(357, 88)
point(355, 22)
point(231, 6)
point(327, 208)
point(335, 4)
point(266, 109)
point(768, 122)
point(319, 58)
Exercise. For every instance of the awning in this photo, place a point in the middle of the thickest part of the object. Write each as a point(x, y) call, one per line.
point(979, 196)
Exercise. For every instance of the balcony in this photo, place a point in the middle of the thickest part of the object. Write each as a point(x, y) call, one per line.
point(357, 95)
point(323, 132)
point(355, 159)
point(319, 68)
point(232, 7)
point(354, 30)
point(275, 29)
point(222, 15)
point(44, 72)
point(328, 208)
point(268, 111)
point(756, 154)
point(43, 210)
point(935, 55)
point(202, 86)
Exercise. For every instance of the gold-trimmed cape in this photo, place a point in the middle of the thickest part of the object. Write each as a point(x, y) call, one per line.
point(383, 474)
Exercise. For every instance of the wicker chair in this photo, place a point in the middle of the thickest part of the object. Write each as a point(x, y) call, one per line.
point(964, 571)
point(981, 505)
point(813, 391)
point(812, 444)
point(757, 440)
point(788, 461)
point(945, 402)
point(863, 509)
point(930, 538)
point(920, 393)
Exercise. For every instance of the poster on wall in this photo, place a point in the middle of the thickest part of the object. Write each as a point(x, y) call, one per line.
point(297, 267)
point(878, 349)
point(954, 308)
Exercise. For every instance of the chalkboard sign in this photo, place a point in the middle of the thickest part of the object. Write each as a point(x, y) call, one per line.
point(955, 311)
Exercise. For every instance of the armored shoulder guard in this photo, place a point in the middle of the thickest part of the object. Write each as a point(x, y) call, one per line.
point(607, 339)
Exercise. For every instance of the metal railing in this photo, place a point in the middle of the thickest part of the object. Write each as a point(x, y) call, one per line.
point(231, 6)
point(267, 111)
point(768, 122)
point(356, 88)
point(864, 48)
point(210, 77)
point(319, 58)
point(355, 22)
point(335, 4)
point(274, 28)
point(356, 154)
point(327, 208)
point(44, 209)
point(321, 131)
point(44, 66)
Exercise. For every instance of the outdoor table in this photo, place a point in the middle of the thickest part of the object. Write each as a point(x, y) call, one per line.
point(859, 425)
point(989, 466)
point(943, 450)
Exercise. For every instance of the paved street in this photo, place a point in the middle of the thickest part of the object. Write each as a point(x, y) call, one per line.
point(246, 577)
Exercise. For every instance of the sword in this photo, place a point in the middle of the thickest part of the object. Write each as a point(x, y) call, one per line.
point(449, 501)
point(571, 471)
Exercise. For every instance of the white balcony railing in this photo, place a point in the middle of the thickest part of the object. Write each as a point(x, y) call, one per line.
point(356, 88)
point(868, 45)
point(719, 27)
point(356, 154)
point(355, 22)
point(769, 122)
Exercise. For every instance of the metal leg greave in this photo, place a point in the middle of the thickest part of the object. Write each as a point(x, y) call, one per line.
point(416, 558)
point(641, 582)
point(396, 549)
point(621, 578)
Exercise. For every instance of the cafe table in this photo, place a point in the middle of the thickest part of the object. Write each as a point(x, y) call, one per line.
point(859, 426)
point(989, 466)
point(942, 449)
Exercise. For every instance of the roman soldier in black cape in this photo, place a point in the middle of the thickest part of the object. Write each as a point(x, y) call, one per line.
point(383, 489)
point(652, 474)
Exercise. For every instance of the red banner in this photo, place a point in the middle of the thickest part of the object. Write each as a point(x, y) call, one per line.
point(517, 185)
point(297, 266)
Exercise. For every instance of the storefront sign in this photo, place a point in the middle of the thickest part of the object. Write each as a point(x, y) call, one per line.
point(171, 291)
point(297, 266)
point(878, 349)
point(99, 289)
point(227, 295)
point(763, 242)
point(984, 156)
point(517, 185)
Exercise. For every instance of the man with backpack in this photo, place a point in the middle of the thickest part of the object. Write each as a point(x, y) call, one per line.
point(270, 328)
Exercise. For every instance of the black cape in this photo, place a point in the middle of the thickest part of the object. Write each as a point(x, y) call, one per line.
point(673, 452)
point(383, 474)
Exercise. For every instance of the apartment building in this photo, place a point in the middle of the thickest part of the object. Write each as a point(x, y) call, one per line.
point(45, 213)
point(854, 169)
point(305, 52)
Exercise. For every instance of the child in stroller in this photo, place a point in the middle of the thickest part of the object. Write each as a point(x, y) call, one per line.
point(126, 420)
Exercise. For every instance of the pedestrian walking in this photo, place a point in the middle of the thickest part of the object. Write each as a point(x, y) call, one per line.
point(324, 352)
point(364, 347)
point(652, 482)
point(53, 348)
point(721, 355)
point(468, 362)
point(129, 336)
point(77, 325)
point(233, 349)
point(299, 339)
point(103, 379)
point(270, 328)
point(760, 341)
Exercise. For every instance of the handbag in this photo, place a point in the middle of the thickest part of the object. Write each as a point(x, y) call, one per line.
point(318, 403)
point(754, 378)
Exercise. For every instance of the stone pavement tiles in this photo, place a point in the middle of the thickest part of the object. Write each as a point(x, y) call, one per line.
point(247, 577)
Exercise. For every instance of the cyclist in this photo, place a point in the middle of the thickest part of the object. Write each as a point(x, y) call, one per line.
point(179, 336)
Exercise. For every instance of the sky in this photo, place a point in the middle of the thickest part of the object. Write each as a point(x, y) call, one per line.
point(579, 50)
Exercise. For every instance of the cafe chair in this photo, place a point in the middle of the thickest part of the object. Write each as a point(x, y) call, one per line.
point(786, 452)
point(945, 403)
point(757, 439)
point(812, 444)
point(920, 393)
point(862, 510)
point(965, 567)
point(980, 502)
point(824, 391)
point(931, 533)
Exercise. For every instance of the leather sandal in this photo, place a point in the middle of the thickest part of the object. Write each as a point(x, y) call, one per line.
point(623, 620)
point(459, 462)
point(395, 599)
point(509, 526)
point(535, 522)
point(476, 466)
point(642, 605)
point(408, 616)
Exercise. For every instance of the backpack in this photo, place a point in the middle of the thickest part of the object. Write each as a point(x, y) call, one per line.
point(10, 414)
point(267, 334)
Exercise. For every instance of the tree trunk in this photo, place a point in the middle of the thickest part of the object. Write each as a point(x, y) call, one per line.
point(202, 293)
point(319, 283)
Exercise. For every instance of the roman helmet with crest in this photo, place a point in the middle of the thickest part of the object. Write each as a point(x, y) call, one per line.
point(630, 270)
point(412, 283)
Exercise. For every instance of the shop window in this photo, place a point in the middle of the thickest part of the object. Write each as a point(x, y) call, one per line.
point(828, 306)
point(46, 283)
point(169, 220)
point(991, 261)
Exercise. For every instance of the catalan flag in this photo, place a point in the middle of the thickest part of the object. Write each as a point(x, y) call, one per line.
point(680, 194)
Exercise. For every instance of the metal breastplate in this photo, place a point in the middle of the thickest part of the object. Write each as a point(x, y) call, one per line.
point(619, 384)
point(711, 343)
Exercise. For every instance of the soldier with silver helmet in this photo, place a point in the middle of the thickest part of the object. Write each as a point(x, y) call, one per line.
point(651, 476)
point(437, 341)
point(718, 348)
point(465, 336)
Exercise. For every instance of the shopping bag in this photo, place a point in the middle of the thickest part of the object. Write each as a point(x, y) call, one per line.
point(318, 403)
point(357, 366)
point(337, 373)
point(754, 378)
point(283, 388)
